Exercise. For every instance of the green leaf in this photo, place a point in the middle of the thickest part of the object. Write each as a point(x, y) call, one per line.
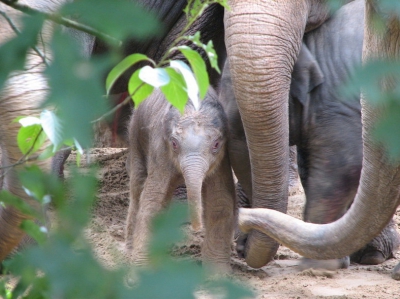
point(82, 188)
point(386, 130)
point(117, 18)
point(11, 200)
point(155, 77)
point(178, 280)
point(192, 87)
point(30, 138)
point(122, 66)
point(167, 231)
point(369, 77)
point(59, 264)
point(40, 185)
point(52, 127)
point(138, 90)
point(29, 121)
point(48, 152)
point(209, 49)
point(78, 159)
point(175, 90)
point(39, 233)
point(212, 56)
point(76, 85)
point(199, 68)
point(13, 53)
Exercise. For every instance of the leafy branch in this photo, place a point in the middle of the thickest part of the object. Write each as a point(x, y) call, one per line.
point(57, 18)
point(177, 81)
point(17, 32)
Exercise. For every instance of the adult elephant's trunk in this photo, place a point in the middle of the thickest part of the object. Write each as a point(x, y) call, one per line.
point(194, 169)
point(263, 39)
point(378, 195)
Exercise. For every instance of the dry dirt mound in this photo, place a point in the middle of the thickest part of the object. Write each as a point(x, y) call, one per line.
point(279, 279)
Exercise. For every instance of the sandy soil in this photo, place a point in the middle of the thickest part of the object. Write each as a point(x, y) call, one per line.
point(279, 279)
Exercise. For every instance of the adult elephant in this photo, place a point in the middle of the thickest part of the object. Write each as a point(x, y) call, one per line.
point(263, 39)
point(326, 128)
point(378, 194)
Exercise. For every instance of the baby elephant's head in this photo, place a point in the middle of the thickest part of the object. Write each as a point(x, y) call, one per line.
point(197, 139)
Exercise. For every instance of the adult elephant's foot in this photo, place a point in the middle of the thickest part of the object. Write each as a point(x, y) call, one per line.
point(370, 258)
point(329, 265)
point(380, 249)
point(396, 272)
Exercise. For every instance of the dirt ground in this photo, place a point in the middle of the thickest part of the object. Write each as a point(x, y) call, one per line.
point(279, 279)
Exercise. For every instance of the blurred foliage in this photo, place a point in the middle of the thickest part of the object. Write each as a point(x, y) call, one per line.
point(13, 53)
point(119, 18)
point(62, 265)
point(369, 78)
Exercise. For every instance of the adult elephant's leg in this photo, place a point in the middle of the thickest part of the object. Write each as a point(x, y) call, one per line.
point(16, 101)
point(380, 178)
point(263, 39)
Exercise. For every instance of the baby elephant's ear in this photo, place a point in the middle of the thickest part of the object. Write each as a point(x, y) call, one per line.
point(306, 76)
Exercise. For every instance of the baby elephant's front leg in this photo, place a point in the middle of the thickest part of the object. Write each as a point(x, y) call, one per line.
point(156, 193)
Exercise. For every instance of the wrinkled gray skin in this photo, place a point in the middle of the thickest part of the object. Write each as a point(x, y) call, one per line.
point(325, 127)
point(167, 149)
point(22, 94)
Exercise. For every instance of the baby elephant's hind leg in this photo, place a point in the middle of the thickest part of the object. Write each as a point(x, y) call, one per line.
point(219, 212)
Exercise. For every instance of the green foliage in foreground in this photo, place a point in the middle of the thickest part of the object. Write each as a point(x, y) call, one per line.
point(368, 78)
point(62, 265)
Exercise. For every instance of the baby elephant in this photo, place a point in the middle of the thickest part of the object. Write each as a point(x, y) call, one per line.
point(166, 149)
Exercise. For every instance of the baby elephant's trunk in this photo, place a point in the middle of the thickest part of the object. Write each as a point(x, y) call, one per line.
point(194, 169)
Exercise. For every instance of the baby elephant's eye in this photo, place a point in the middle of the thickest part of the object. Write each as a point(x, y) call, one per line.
point(216, 145)
point(174, 143)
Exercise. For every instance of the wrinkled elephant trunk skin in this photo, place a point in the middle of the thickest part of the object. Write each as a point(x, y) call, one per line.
point(378, 194)
point(194, 169)
point(259, 36)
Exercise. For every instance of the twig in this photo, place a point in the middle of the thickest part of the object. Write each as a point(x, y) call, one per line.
point(63, 21)
point(124, 102)
point(16, 30)
point(25, 157)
